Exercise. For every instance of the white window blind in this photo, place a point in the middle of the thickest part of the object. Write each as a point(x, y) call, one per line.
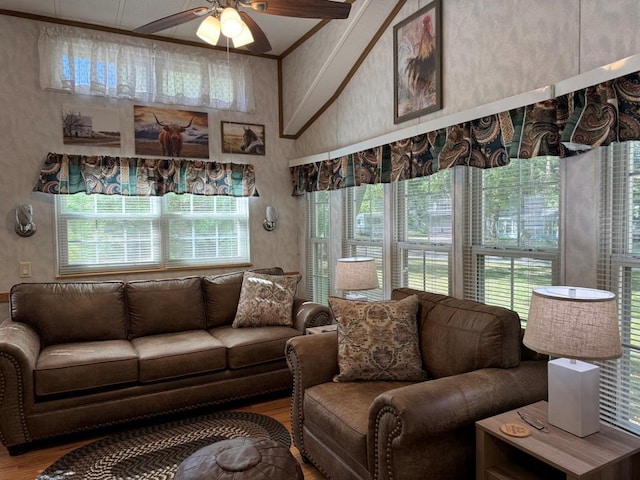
point(619, 272)
point(101, 233)
point(109, 65)
point(317, 257)
point(512, 232)
point(423, 228)
point(364, 229)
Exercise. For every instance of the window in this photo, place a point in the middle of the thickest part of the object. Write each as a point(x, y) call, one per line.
point(318, 266)
point(100, 233)
point(619, 272)
point(110, 65)
point(423, 232)
point(364, 228)
point(512, 244)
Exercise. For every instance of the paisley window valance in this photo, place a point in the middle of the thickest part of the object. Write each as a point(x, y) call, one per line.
point(100, 174)
point(563, 126)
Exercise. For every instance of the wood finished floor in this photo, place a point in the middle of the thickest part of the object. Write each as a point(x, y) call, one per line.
point(30, 464)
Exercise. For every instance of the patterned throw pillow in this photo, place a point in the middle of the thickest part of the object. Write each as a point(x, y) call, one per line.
point(378, 340)
point(266, 300)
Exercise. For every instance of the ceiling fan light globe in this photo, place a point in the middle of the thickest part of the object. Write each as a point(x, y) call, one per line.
point(244, 38)
point(209, 30)
point(231, 22)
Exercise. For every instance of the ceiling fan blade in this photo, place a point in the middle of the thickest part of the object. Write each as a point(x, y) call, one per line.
point(300, 8)
point(173, 20)
point(260, 41)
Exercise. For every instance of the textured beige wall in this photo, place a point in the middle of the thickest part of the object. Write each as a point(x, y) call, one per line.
point(31, 126)
point(494, 49)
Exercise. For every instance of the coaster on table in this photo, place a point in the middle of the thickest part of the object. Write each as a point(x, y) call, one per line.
point(515, 430)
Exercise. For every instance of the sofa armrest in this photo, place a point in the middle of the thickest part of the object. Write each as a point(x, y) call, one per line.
point(310, 314)
point(19, 349)
point(312, 359)
point(408, 422)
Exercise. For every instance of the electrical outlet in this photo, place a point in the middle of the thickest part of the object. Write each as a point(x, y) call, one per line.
point(25, 269)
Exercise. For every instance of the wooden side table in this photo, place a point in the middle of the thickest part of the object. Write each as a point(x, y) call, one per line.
point(322, 329)
point(608, 454)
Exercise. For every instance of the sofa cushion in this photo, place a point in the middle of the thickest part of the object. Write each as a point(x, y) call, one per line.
point(378, 340)
point(222, 293)
point(481, 336)
point(266, 300)
point(80, 366)
point(252, 346)
point(165, 306)
point(71, 312)
point(178, 354)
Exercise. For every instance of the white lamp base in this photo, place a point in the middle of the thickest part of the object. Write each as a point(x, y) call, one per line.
point(574, 396)
point(356, 296)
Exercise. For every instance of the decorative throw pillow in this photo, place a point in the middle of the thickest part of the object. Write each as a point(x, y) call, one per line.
point(266, 300)
point(378, 340)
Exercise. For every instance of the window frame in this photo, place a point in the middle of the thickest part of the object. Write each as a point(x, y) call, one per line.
point(403, 244)
point(477, 250)
point(110, 65)
point(159, 236)
point(618, 269)
point(317, 280)
point(372, 245)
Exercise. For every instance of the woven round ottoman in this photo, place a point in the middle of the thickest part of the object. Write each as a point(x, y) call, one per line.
point(241, 459)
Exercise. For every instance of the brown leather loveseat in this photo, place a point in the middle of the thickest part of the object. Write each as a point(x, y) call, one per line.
point(476, 367)
point(80, 355)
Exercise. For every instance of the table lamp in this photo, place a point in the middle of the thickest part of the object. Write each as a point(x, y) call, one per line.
point(576, 324)
point(354, 274)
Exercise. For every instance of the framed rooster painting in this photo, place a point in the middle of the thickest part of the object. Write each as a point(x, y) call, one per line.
point(417, 57)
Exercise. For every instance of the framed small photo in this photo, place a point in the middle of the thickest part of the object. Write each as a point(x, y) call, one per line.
point(244, 138)
point(97, 127)
point(417, 58)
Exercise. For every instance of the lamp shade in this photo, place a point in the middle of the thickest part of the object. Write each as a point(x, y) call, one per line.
point(573, 322)
point(356, 273)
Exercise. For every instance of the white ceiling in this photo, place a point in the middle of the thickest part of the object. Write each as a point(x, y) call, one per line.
point(282, 32)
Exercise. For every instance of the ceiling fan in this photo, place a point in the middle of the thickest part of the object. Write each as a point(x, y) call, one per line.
point(227, 17)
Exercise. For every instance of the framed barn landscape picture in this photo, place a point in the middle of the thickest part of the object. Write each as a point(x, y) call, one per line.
point(244, 138)
point(84, 125)
point(168, 132)
point(417, 58)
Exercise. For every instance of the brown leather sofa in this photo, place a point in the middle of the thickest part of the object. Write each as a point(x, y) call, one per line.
point(476, 366)
point(79, 355)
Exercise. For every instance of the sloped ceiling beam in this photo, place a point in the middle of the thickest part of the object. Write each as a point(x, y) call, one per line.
point(313, 75)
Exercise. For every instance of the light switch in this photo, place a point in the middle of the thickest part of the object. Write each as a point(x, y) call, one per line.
point(25, 269)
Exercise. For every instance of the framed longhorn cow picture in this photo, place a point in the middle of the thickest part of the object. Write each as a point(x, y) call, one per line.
point(244, 138)
point(166, 132)
point(417, 58)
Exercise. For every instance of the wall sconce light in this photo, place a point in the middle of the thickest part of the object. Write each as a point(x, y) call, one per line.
point(269, 223)
point(25, 226)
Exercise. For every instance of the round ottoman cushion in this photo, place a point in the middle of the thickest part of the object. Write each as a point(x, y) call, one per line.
point(241, 459)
